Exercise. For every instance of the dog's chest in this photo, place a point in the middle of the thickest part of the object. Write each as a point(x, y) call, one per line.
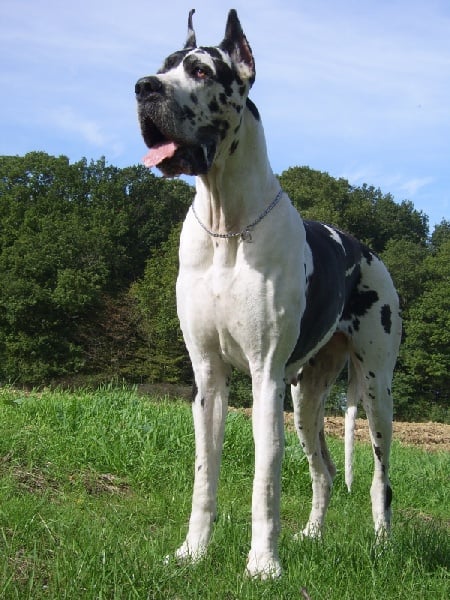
point(227, 293)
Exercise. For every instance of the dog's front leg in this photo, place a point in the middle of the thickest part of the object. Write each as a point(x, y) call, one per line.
point(209, 412)
point(268, 433)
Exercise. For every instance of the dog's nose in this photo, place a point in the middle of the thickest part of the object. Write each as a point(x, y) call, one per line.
point(146, 86)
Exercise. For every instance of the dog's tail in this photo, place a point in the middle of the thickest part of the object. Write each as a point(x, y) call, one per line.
point(350, 419)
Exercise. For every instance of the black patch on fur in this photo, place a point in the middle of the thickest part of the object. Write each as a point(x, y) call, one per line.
point(388, 497)
point(225, 76)
point(252, 108)
point(173, 60)
point(367, 253)
point(194, 98)
point(233, 147)
point(386, 318)
point(329, 290)
point(221, 126)
point(359, 302)
point(213, 52)
point(194, 391)
point(213, 106)
point(378, 452)
point(188, 113)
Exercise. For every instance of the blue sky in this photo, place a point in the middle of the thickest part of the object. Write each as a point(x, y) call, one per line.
point(360, 89)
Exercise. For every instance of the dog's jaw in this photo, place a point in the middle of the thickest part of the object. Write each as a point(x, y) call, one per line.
point(172, 155)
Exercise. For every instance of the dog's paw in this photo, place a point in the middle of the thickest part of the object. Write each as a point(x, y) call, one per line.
point(264, 567)
point(186, 554)
point(312, 531)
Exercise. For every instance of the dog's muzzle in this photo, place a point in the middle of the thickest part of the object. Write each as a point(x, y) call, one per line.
point(160, 118)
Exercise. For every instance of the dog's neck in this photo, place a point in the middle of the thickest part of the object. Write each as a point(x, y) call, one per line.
point(225, 205)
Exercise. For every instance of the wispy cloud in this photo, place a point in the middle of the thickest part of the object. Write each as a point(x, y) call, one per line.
point(67, 120)
point(70, 122)
point(411, 187)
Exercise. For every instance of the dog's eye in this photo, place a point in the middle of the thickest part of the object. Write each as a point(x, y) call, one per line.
point(199, 73)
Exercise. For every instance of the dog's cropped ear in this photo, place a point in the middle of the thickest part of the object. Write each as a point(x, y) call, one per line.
point(236, 45)
point(191, 41)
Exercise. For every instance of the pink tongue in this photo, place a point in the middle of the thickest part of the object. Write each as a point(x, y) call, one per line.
point(158, 153)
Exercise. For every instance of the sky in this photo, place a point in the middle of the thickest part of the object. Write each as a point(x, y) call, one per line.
point(357, 88)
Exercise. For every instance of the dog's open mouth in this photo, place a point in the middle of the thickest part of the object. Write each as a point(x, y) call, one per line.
point(174, 158)
point(160, 148)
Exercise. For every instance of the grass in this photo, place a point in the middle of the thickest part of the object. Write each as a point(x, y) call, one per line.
point(95, 489)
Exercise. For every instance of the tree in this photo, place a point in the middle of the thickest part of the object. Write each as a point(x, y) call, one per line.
point(73, 238)
point(167, 358)
point(405, 260)
point(440, 234)
point(424, 376)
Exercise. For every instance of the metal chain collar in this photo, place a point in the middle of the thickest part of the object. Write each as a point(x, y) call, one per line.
point(245, 234)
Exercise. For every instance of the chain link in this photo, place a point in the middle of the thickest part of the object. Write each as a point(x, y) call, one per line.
point(245, 234)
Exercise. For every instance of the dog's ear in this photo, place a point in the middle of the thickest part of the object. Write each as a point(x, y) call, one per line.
point(236, 45)
point(191, 41)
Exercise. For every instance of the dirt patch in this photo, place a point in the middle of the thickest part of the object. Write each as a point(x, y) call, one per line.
point(105, 483)
point(429, 436)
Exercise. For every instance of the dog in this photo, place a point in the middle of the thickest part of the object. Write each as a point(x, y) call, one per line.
point(287, 301)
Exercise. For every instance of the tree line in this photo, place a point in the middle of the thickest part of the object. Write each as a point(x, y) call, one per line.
point(88, 262)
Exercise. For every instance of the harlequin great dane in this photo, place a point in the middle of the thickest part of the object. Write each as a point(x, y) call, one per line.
point(285, 300)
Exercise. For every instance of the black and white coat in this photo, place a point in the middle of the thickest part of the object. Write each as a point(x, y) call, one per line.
point(286, 301)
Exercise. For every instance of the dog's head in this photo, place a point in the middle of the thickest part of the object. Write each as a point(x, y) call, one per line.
point(193, 106)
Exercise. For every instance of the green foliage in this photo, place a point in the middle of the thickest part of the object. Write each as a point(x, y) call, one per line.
point(73, 238)
point(440, 234)
point(167, 358)
point(424, 378)
point(405, 260)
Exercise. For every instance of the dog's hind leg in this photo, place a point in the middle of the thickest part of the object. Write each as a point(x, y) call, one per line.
point(377, 402)
point(209, 409)
point(315, 381)
point(373, 356)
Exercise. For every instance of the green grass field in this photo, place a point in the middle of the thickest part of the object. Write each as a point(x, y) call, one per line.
point(95, 489)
